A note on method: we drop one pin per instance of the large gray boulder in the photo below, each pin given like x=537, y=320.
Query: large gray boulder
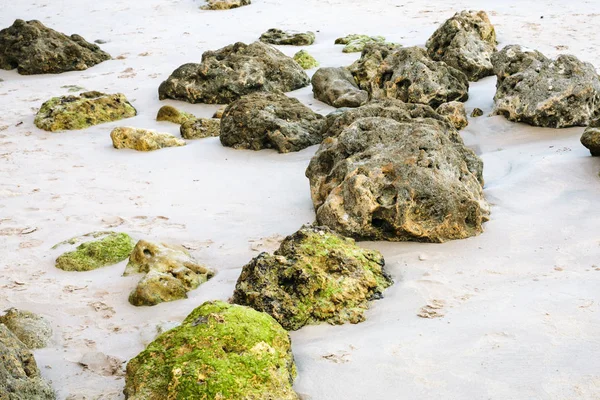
x=336, y=87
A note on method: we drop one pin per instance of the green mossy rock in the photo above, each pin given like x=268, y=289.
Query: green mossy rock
x=201, y=128
x=79, y=112
x=220, y=351
x=109, y=250
x=305, y=60
x=143, y=139
x=356, y=43
x=31, y=329
x=171, y=114
x=315, y=275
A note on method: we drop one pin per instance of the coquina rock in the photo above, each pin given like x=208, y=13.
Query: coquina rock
x=79, y=112
x=19, y=374
x=355, y=43
x=591, y=140
x=220, y=352
x=366, y=68
x=224, y=4
x=171, y=114
x=279, y=37
x=170, y=273
x=270, y=120
x=305, y=60
x=31, y=329
x=227, y=74
x=142, y=139
x=541, y=92
x=400, y=178
x=111, y=249
x=336, y=87
x=316, y=275
x=200, y=128
x=455, y=112
x=33, y=48
x=466, y=42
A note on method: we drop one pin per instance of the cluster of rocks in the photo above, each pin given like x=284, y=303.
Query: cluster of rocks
x=224, y=4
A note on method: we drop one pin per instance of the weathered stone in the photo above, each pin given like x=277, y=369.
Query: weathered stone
x=336, y=87
x=33, y=48
x=79, y=112
x=234, y=71
x=455, y=112
x=113, y=248
x=142, y=139
x=366, y=68
x=171, y=114
x=201, y=128
x=220, y=352
x=316, y=275
x=305, y=60
x=279, y=37
x=550, y=93
x=591, y=140
x=355, y=43
x=477, y=112
x=466, y=42
x=382, y=179
x=270, y=120
x=31, y=329
x=224, y=4
x=219, y=113
x=170, y=273
x=19, y=375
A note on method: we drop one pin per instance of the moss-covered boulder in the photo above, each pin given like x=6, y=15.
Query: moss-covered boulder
x=305, y=60
x=200, y=128
x=279, y=37
x=355, y=43
x=224, y=4
x=31, y=329
x=142, y=139
x=219, y=352
x=316, y=275
x=111, y=249
x=79, y=112
x=171, y=114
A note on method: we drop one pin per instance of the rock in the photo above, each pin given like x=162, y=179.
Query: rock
x=279, y=37
x=19, y=375
x=550, y=93
x=355, y=43
x=224, y=4
x=408, y=177
x=31, y=329
x=591, y=140
x=171, y=114
x=219, y=113
x=270, y=120
x=455, y=112
x=220, y=351
x=477, y=112
x=79, y=112
x=466, y=42
x=33, y=48
x=408, y=74
x=316, y=275
x=336, y=87
x=201, y=128
x=227, y=74
x=142, y=139
x=305, y=60
x=170, y=273
x=113, y=248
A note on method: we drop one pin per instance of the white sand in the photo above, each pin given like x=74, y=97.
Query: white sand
x=520, y=303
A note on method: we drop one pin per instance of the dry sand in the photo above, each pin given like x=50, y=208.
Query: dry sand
x=516, y=309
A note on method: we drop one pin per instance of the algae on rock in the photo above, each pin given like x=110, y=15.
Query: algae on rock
x=201, y=128
x=355, y=43
x=113, y=248
x=143, y=139
x=31, y=329
x=305, y=60
x=279, y=37
x=224, y=4
x=171, y=114
x=220, y=352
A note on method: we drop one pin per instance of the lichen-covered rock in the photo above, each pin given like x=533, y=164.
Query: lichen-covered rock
x=513, y=59
x=550, y=93
x=200, y=128
x=399, y=178
x=305, y=60
x=466, y=42
x=79, y=112
x=33, y=48
x=142, y=139
x=224, y=4
x=316, y=275
x=591, y=140
x=279, y=37
x=19, y=375
x=31, y=329
x=111, y=249
x=455, y=112
x=227, y=74
x=477, y=112
x=355, y=43
x=220, y=352
x=336, y=87
x=270, y=120
x=171, y=114
x=170, y=273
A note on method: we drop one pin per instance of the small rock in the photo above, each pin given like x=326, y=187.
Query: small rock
x=455, y=112
x=591, y=140
x=113, y=248
x=201, y=128
x=171, y=114
x=224, y=4
x=219, y=113
x=31, y=329
x=279, y=37
x=305, y=60
x=477, y=112
x=355, y=43
x=100, y=41
x=142, y=139
x=336, y=87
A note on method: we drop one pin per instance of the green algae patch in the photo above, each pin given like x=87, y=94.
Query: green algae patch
x=356, y=43
x=305, y=60
x=171, y=114
x=85, y=110
x=220, y=351
x=109, y=250
x=316, y=275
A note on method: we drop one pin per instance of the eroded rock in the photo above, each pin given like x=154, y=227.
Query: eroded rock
x=305, y=60
x=455, y=112
x=224, y=4
x=279, y=37
x=31, y=329
x=591, y=140
x=336, y=87
x=477, y=112
x=111, y=249
x=142, y=139
x=171, y=114
x=201, y=128
x=513, y=59
x=355, y=43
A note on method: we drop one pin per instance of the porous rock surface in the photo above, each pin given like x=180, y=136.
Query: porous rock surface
x=142, y=139
x=336, y=87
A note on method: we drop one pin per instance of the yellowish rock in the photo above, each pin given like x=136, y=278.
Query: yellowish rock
x=142, y=139
x=171, y=114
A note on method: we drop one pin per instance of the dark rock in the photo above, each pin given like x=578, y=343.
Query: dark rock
x=279, y=37
x=591, y=140
x=200, y=128
x=455, y=112
x=224, y=4
x=336, y=87
x=477, y=112
x=171, y=114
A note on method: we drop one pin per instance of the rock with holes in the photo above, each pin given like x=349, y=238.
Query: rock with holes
x=31, y=329
x=224, y=4
x=279, y=37
x=455, y=112
x=171, y=114
x=220, y=352
x=227, y=74
x=200, y=128
x=270, y=120
x=591, y=140
x=366, y=68
x=336, y=87
x=142, y=139
x=33, y=48
x=316, y=275
x=513, y=59
x=386, y=175
x=355, y=43
x=114, y=247
x=466, y=42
